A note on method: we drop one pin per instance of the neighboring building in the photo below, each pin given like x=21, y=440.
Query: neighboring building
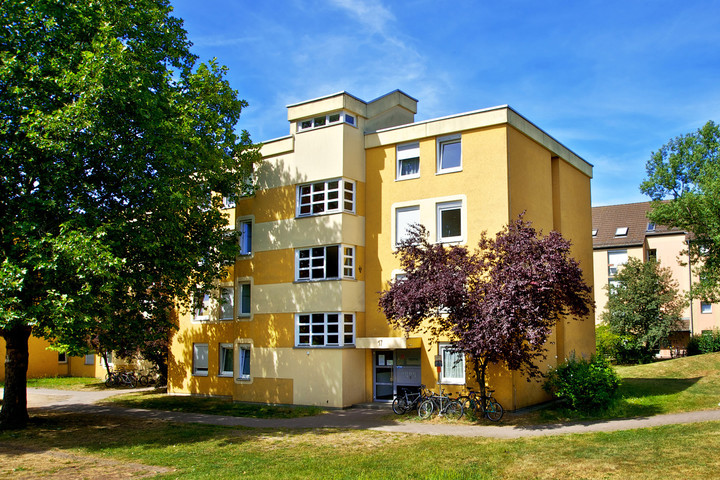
x=43, y=362
x=300, y=324
x=620, y=232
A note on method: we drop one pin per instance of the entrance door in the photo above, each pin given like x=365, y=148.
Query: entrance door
x=383, y=369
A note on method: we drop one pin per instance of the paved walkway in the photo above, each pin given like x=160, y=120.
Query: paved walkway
x=355, y=418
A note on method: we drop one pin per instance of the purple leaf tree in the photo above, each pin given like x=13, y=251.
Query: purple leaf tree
x=497, y=304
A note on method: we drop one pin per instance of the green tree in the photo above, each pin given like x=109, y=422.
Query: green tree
x=116, y=149
x=644, y=306
x=686, y=171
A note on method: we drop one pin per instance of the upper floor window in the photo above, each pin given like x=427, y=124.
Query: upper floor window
x=244, y=304
x=323, y=120
x=449, y=154
x=245, y=237
x=408, y=161
x=404, y=218
x=650, y=227
x=705, y=307
x=621, y=231
x=324, y=329
x=227, y=304
x=449, y=222
x=202, y=312
x=227, y=203
x=325, y=197
x=616, y=259
x=325, y=263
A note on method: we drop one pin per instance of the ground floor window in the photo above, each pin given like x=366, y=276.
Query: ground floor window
x=324, y=329
x=243, y=361
x=200, y=359
x=453, y=365
x=226, y=359
x=90, y=359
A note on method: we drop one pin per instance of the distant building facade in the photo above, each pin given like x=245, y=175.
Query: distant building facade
x=623, y=231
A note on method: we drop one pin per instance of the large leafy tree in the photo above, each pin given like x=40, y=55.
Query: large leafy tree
x=497, y=304
x=686, y=172
x=644, y=306
x=115, y=150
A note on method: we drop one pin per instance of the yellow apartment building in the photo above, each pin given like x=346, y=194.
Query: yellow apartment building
x=300, y=322
x=623, y=231
x=43, y=362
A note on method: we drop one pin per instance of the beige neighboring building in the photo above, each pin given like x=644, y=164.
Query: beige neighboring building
x=623, y=231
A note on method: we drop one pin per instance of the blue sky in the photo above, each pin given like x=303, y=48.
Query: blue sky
x=611, y=80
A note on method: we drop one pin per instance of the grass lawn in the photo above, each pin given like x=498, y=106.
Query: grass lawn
x=212, y=406
x=69, y=445
x=119, y=446
x=66, y=383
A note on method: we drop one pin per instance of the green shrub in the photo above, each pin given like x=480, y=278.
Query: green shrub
x=620, y=349
x=706, y=342
x=584, y=385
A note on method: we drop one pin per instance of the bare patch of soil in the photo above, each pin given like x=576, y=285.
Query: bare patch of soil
x=24, y=463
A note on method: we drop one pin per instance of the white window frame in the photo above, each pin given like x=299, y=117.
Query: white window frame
x=442, y=143
x=223, y=350
x=62, y=357
x=444, y=350
x=319, y=121
x=226, y=310
x=407, y=151
x=200, y=366
x=411, y=215
x=621, y=231
x=244, y=285
x=324, y=198
x=202, y=314
x=245, y=227
x=226, y=203
x=446, y=206
x=705, y=307
x=324, y=329
x=314, y=260
x=243, y=359
x=614, y=266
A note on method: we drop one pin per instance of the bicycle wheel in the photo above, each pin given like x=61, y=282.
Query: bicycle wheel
x=494, y=411
x=425, y=410
x=399, y=406
x=110, y=381
x=143, y=380
x=454, y=410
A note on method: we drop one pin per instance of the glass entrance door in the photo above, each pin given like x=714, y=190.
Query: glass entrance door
x=383, y=365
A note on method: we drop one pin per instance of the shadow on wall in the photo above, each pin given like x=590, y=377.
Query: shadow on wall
x=275, y=328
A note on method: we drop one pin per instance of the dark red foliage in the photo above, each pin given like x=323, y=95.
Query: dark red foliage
x=497, y=304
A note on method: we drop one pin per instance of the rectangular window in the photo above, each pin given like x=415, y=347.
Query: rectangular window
x=408, y=161
x=227, y=203
x=322, y=198
x=449, y=222
x=200, y=359
x=652, y=254
x=324, y=329
x=202, y=312
x=62, y=357
x=244, y=305
x=226, y=360
x=621, y=231
x=705, y=307
x=404, y=218
x=243, y=361
x=453, y=365
x=227, y=297
x=90, y=359
x=322, y=120
x=449, y=154
x=246, y=237
x=616, y=259
x=323, y=263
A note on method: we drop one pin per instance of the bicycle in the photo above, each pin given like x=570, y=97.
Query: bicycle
x=121, y=379
x=483, y=404
x=409, y=400
x=443, y=404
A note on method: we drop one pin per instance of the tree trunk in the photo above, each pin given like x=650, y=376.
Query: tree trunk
x=14, y=412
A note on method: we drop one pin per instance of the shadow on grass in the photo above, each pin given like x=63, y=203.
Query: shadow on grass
x=651, y=387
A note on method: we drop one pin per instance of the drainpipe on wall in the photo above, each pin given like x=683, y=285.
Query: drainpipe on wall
x=692, y=332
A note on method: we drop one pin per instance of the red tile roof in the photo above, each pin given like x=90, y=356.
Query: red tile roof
x=606, y=220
